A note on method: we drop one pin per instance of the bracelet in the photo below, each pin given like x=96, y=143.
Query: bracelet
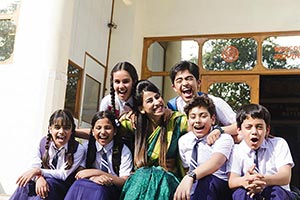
x=219, y=128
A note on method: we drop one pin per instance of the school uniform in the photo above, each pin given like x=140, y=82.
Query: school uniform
x=273, y=154
x=58, y=179
x=225, y=114
x=121, y=106
x=214, y=186
x=89, y=190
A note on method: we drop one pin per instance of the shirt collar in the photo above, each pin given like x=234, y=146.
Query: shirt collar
x=203, y=139
x=106, y=148
x=248, y=150
x=65, y=146
x=130, y=101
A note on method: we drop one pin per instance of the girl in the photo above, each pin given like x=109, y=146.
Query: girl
x=108, y=162
x=57, y=157
x=123, y=79
x=156, y=131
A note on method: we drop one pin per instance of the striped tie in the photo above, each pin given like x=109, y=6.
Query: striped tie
x=194, y=158
x=55, y=158
x=104, y=163
x=256, y=161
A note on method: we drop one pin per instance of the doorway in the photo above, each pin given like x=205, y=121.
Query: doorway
x=281, y=95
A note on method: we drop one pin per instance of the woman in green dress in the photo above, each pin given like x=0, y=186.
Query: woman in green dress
x=156, y=131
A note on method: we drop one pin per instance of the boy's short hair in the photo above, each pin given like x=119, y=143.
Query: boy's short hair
x=184, y=65
x=201, y=101
x=255, y=111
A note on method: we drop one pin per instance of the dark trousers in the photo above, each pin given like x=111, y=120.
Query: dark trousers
x=211, y=188
x=270, y=192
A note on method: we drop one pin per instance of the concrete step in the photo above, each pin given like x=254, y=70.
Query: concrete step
x=4, y=197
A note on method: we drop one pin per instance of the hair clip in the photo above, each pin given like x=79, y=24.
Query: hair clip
x=117, y=122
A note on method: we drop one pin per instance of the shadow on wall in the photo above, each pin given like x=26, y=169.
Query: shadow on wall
x=2, y=190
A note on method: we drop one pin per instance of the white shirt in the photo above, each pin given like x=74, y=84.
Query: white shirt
x=273, y=154
x=224, y=112
x=223, y=145
x=126, y=158
x=120, y=105
x=59, y=172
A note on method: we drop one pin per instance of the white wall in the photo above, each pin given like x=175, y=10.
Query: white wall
x=144, y=18
x=33, y=86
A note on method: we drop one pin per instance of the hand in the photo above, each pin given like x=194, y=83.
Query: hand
x=255, y=187
x=102, y=180
x=183, y=191
x=213, y=136
x=130, y=116
x=27, y=176
x=253, y=182
x=86, y=173
x=42, y=187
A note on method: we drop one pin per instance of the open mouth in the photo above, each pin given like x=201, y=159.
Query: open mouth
x=187, y=93
x=254, y=140
x=103, y=137
x=60, y=137
x=122, y=91
x=158, y=108
x=198, y=127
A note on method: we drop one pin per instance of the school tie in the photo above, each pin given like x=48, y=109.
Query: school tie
x=194, y=158
x=256, y=161
x=104, y=163
x=55, y=158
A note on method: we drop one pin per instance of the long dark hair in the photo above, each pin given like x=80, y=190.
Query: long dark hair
x=91, y=152
x=64, y=118
x=131, y=71
x=143, y=130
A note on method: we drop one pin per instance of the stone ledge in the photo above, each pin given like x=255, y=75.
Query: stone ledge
x=4, y=197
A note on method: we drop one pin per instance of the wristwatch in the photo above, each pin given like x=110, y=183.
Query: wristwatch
x=192, y=174
x=219, y=128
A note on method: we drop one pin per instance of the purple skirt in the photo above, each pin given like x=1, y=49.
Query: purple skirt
x=58, y=190
x=89, y=190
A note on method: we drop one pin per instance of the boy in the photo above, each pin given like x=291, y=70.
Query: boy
x=186, y=83
x=260, y=166
x=208, y=168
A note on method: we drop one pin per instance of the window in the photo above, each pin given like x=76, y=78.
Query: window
x=91, y=99
x=8, y=24
x=229, y=57
x=73, y=91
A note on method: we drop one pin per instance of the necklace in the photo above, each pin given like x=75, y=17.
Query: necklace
x=154, y=123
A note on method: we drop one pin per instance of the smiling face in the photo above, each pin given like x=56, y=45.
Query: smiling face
x=103, y=131
x=122, y=83
x=186, y=85
x=153, y=105
x=200, y=121
x=254, y=131
x=60, y=132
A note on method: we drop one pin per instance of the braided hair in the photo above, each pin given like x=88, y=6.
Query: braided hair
x=63, y=117
x=134, y=76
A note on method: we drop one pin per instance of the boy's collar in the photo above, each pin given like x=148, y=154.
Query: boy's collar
x=248, y=150
x=204, y=138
